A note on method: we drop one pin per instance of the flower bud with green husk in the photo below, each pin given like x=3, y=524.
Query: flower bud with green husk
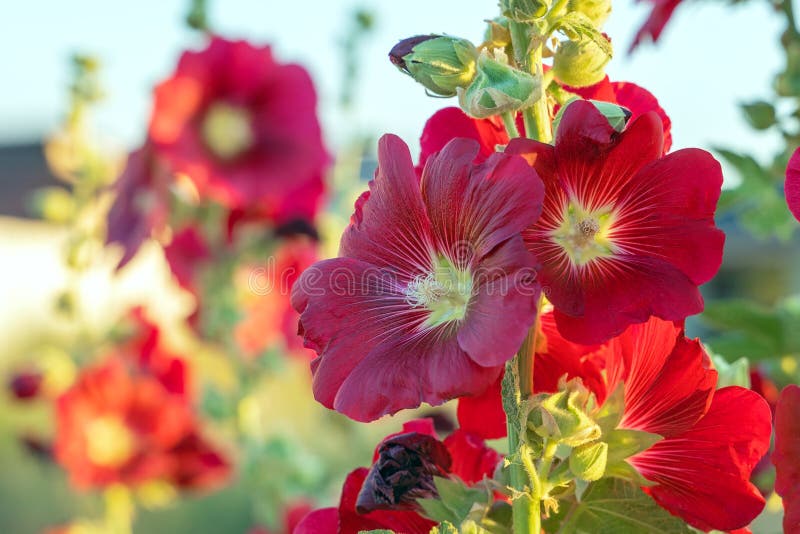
x=441, y=63
x=588, y=462
x=524, y=10
x=596, y=10
x=498, y=88
x=580, y=63
x=562, y=417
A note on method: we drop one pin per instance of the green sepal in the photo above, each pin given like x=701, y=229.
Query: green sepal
x=562, y=417
x=624, y=443
x=588, y=462
x=498, y=88
x=735, y=373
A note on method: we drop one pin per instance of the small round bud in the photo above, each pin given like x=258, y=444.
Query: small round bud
x=498, y=88
x=588, y=462
x=596, y=10
x=440, y=63
x=580, y=63
x=524, y=10
x=25, y=386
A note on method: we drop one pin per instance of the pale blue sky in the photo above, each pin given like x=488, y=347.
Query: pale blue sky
x=711, y=56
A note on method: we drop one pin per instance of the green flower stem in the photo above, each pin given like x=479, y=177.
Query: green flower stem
x=510, y=124
x=547, y=461
x=541, y=129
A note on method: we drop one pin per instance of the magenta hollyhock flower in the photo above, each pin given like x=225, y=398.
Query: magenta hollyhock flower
x=433, y=290
x=625, y=233
x=243, y=128
x=792, y=186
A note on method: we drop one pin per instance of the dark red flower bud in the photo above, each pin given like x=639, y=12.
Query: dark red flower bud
x=403, y=473
x=405, y=47
x=25, y=386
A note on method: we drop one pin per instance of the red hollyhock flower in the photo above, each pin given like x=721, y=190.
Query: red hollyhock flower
x=792, y=186
x=787, y=456
x=449, y=123
x=243, y=128
x=434, y=289
x=408, y=459
x=656, y=21
x=712, y=439
x=140, y=206
x=625, y=234
x=117, y=426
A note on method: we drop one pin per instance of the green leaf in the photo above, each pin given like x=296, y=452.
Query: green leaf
x=761, y=327
x=445, y=527
x=614, y=506
x=760, y=114
x=455, y=501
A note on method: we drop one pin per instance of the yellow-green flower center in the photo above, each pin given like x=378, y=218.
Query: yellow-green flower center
x=109, y=441
x=585, y=234
x=445, y=292
x=227, y=130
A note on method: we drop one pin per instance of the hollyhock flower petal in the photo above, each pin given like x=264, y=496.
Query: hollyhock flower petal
x=792, y=186
x=198, y=465
x=243, y=128
x=322, y=521
x=483, y=414
x=140, y=206
x=787, y=455
x=422, y=263
x=668, y=379
x=450, y=123
x=702, y=475
x=185, y=254
x=655, y=23
x=616, y=243
x=472, y=459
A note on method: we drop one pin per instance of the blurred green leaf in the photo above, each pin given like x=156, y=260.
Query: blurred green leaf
x=760, y=114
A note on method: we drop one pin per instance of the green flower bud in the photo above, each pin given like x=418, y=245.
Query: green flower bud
x=562, y=417
x=498, y=88
x=580, y=63
x=440, y=63
x=524, y=10
x=588, y=462
x=617, y=116
x=596, y=10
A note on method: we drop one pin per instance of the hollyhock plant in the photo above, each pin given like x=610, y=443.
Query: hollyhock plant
x=792, y=186
x=433, y=290
x=787, y=455
x=117, y=426
x=712, y=440
x=384, y=496
x=625, y=234
x=243, y=128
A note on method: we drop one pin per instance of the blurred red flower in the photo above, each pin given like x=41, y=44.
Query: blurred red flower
x=712, y=439
x=267, y=314
x=434, y=289
x=117, y=425
x=787, y=455
x=243, y=128
x=792, y=186
x=409, y=459
x=625, y=234
x=656, y=21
